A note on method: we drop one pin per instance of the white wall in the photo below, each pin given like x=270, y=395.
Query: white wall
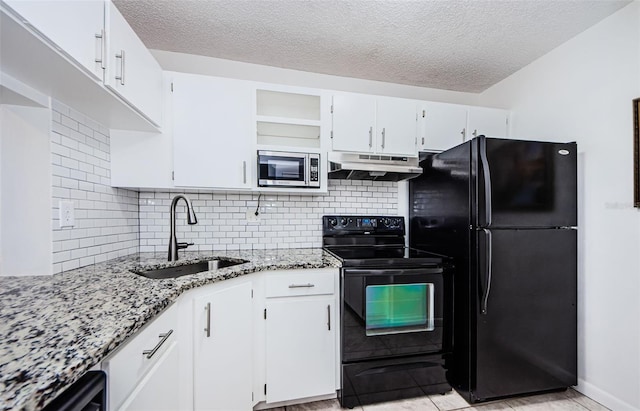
x=189, y=63
x=582, y=91
x=25, y=190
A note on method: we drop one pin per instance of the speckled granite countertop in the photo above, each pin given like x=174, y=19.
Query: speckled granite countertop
x=54, y=328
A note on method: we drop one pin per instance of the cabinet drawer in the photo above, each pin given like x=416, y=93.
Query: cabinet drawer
x=127, y=366
x=300, y=282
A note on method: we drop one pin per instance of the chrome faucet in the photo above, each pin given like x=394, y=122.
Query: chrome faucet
x=174, y=245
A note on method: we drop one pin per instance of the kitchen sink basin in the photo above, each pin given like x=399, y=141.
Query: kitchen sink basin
x=179, y=271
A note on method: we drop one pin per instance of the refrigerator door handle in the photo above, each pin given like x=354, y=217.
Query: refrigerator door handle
x=486, y=174
x=487, y=287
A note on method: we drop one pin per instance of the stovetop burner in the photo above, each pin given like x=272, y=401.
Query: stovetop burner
x=372, y=242
x=381, y=256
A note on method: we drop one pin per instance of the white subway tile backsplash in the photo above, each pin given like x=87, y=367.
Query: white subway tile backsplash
x=286, y=221
x=106, y=218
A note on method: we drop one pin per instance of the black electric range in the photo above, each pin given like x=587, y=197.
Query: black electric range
x=395, y=311
x=372, y=242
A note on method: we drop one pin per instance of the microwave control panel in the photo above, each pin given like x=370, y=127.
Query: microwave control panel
x=314, y=170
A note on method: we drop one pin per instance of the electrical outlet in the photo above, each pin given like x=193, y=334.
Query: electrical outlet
x=67, y=215
x=252, y=217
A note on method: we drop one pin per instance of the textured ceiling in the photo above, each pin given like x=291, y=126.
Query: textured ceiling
x=452, y=45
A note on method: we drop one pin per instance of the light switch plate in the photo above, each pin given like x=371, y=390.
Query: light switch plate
x=67, y=215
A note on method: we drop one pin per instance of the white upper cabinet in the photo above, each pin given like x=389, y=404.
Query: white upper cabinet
x=396, y=126
x=354, y=117
x=212, y=129
x=141, y=159
x=131, y=71
x=491, y=122
x=441, y=126
x=382, y=125
x=75, y=27
x=83, y=54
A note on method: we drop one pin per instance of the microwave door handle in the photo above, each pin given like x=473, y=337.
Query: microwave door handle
x=307, y=171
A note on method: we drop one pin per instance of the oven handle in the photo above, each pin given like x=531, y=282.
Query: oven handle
x=394, y=271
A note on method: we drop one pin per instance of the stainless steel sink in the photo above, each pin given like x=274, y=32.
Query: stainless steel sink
x=179, y=271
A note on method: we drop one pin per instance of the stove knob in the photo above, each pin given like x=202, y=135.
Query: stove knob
x=343, y=221
x=386, y=222
x=333, y=222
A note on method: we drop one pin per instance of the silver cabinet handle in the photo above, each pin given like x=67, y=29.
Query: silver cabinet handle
x=464, y=134
x=102, y=49
x=329, y=317
x=208, y=327
x=308, y=285
x=151, y=352
x=371, y=136
x=122, y=67
x=475, y=133
x=244, y=172
x=423, y=141
x=383, y=135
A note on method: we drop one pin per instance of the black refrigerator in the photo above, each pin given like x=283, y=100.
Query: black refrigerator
x=506, y=211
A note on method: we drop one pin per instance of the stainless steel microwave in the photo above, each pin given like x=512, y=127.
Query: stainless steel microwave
x=285, y=169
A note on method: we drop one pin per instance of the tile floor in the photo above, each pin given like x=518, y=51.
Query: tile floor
x=567, y=400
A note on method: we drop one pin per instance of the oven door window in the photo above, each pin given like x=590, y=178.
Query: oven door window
x=282, y=168
x=399, y=308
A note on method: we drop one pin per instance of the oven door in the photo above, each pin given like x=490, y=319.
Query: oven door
x=392, y=312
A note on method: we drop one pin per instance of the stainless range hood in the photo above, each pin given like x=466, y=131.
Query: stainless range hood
x=351, y=166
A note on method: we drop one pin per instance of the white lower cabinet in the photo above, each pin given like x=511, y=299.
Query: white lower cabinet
x=223, y=348
x=300, y=334
x=220, y=346
x=300, y=348
x=157, y=390
x=143, y=373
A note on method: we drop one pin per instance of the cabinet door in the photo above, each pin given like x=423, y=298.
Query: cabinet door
x=491, y=122
x=141, y=159
x=442, y=126
x=73, y=26
x=223, y=351
x=300, y=338
x=132, y=72
x=157, y=390
x=211, y=131
x=396, y=126
x=354, y=117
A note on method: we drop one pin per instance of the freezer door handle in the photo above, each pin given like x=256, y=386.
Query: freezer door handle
x=487, y=272
x=486, y=174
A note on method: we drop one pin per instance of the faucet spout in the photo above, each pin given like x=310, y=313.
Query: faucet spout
x=191, y=219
